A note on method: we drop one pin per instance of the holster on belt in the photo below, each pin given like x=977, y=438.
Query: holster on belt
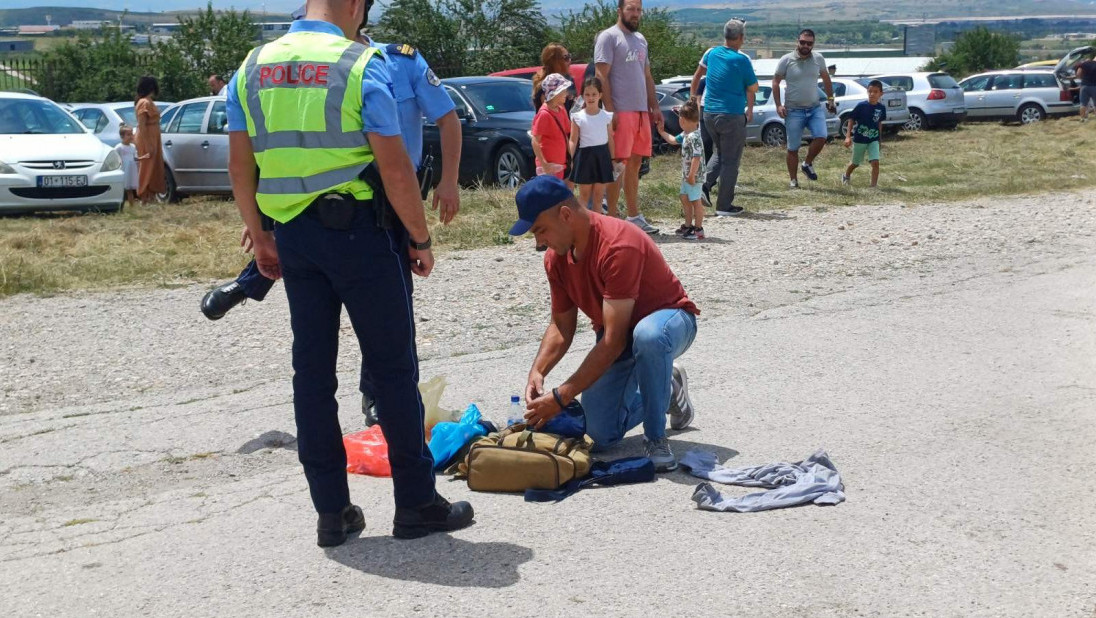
x=335, y=211
x=382, y=208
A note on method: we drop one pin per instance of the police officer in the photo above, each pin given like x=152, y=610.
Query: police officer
x=418, y=94
x=300, y=111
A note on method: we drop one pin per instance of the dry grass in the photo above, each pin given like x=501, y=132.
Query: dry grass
x=198, y=240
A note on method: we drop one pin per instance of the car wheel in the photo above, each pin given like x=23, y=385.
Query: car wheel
x=917, y=121
x=1030, y=113
x=171, y=195
x=508, y=169
x=774, y=135
x=843, y=127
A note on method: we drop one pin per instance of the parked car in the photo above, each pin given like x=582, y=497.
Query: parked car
x=1028, y=96
x=49, y=161
x=848, y=93
x=104, y=119
x=195, y=146
x=669, y=100
x=935, y=100
x=496, y=114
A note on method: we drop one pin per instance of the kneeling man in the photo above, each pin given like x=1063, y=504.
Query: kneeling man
x=614, y=273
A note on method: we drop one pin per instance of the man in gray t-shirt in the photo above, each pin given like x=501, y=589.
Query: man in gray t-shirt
x=801, y=108
x=628, y=92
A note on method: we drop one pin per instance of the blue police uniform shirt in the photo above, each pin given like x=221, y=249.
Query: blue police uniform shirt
x=418, y=93
x=379, y=111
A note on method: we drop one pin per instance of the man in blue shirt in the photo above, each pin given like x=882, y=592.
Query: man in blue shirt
x=335, y=254
x=728, y=106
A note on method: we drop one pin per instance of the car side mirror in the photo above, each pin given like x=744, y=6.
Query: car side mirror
x=465, y=114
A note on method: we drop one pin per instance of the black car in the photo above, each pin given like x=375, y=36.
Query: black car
x=496, y=114
x=669, y=98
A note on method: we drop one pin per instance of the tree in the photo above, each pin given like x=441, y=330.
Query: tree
x=467, y=37
x=88, y=69
x=671, y=51
x=978, y=50
x=206, y=44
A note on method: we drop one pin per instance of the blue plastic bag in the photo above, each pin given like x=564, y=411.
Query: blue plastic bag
x=448, y=438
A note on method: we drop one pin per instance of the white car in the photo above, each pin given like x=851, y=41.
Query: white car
x=49, y=161
x=934, y=99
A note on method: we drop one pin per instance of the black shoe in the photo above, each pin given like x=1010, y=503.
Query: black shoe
x=333, y=528
x=438, y=516
x=369, y=409
x=730, y=212
x=808, y=169
x=219, y=300
x=706, y=195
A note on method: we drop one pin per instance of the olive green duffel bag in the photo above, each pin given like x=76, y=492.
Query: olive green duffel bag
x=517, y=458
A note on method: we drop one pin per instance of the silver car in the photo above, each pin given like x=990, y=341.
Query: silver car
x=104, y=119
x=848, y=93
x=767, y=126
x=1024, y=95
x=195, y=145
x=934, y=99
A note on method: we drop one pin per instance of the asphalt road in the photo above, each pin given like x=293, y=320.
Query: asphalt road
x=959, y=406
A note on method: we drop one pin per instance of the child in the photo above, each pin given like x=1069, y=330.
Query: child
x=128, y=151
x=592, y=145
x=867, y=117
x=552, y=129
x=692, y=154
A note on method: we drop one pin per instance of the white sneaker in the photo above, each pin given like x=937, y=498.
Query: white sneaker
x=845, y=180
x=793, y=184
x=681, y=406
x=659, y=452
x=641, y=222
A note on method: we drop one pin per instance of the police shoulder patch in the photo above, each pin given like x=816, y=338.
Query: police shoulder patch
x=401, y=49
x=431, y=78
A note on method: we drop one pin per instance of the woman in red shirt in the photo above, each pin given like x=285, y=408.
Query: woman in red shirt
x=552, y=129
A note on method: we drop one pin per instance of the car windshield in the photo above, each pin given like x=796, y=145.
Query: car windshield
x=940, y=80
x=19, y=116
x=499, y=97
x=127, y=114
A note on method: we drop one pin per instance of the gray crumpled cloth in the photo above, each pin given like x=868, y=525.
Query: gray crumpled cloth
x=813, y=480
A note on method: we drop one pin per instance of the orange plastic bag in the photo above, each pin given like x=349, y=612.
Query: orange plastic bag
x=367, y=452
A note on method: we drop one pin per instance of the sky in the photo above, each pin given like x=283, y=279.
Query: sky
x=255, y=6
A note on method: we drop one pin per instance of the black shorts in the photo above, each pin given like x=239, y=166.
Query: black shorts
x=592, y=165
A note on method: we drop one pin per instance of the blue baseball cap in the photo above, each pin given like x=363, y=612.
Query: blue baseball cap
x=536, y=196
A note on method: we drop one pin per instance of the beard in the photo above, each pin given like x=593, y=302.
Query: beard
x=631, y=26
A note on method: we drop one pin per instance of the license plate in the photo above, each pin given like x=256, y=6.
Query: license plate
x=53, y=182
x=894, y=103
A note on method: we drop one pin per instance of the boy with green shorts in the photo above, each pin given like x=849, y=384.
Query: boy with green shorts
x=865, y=124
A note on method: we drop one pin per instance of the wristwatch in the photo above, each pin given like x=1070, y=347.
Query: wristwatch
x=419, y=246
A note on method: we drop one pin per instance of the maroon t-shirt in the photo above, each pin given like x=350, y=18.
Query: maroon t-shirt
x=620, y=262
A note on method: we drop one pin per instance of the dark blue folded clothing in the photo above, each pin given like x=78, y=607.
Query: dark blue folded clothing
x=616, y=472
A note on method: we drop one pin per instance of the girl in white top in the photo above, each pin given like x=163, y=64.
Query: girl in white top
x=128, y=151
x=591, y=145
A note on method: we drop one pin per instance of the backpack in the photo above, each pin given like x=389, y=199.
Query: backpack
x=518, y=458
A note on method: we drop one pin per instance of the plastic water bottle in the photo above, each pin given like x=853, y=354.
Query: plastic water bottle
x=516, y=413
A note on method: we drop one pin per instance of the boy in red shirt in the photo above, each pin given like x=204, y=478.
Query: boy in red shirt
x=615, y=274
x=552, y=128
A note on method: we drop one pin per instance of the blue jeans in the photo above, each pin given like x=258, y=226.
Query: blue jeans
x=366, y=270
x=813, y=118
x=637, y=390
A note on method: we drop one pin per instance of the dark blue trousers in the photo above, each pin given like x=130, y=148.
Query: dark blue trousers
x=255, y=286
x=366, y=270
x=253, y=283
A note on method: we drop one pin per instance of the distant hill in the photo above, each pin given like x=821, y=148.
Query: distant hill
x=63, y=16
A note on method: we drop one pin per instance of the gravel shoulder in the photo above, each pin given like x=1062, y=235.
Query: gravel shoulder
x=88, y=348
